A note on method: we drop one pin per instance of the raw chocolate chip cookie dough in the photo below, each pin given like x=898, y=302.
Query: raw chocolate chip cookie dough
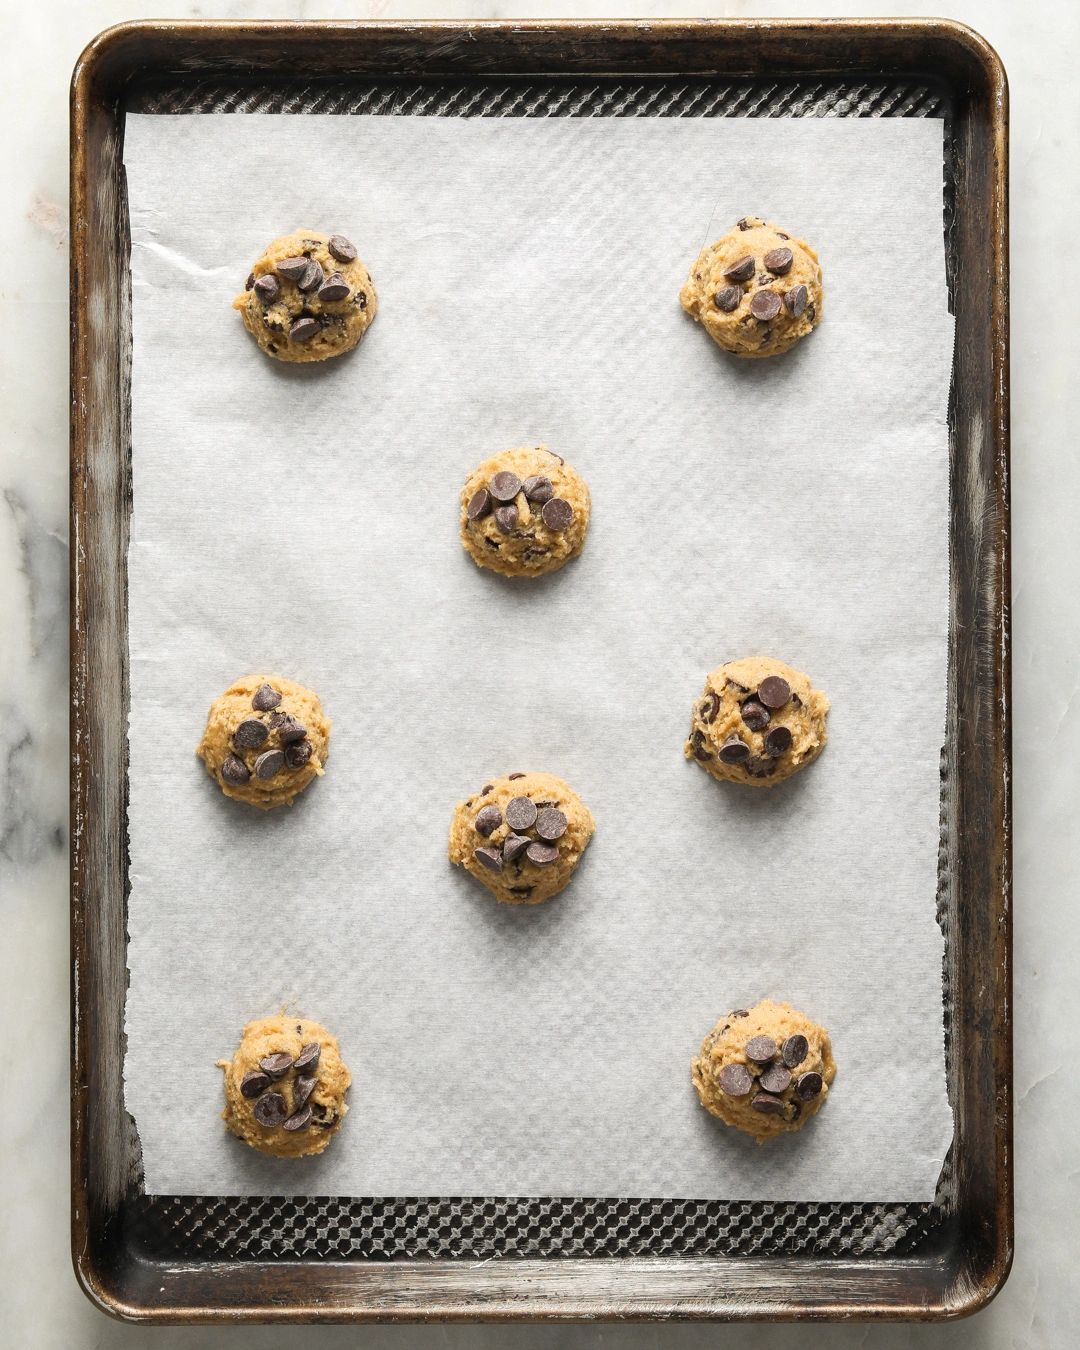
x=266, y=739
x=524, y=512
x=285, y=1087
x=757, y=290
x=766, y=1070
x=522, y=836
x=757, y=722
x=308, y=297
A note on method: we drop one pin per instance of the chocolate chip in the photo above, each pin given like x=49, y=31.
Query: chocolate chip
x=742, y=270
x=488, y=787
x=276, y=1064
x=490, y=858
x=267, y=288
x=299, y=1120
x=765, y=305
x=304, y=329
x=734, y=751
x=479, y=505
x=250, y=281
x=334, y=288
x=277, y=719
x=760, y=1049
x=520, y=813
x=771, y=1106
x=251, y=733
x=774, y=691
x=254, y=1082
x=808, y=1086
x=757, y=767
x=811, y=312
x=344, y=250
x=308, y=1058
x=270, y=1110
x=505, y=486
x=747, y=222
x=506, y=517
x=269, y=763
x=538, y=489
x=514, y=845
x=291, y=730
x=542, y=854
x=795, y=1050
x=312, y=278
x=738, y=1012
x=697, y=744
x=324, y=1117
x=488, y=819
x=727, y=299
x=777, y=741
x=296, y=756
x=779, y=260
x=755, y=715
x=551, y=824
x=302, y=1088
x=265, y=698
x=234, y=771
x=513, y=776
x=776, y=1079
x=557, y=514
x=735, y=1080
x=292, y=269
x=781, y=235
x=710, y=706
x=796, y=300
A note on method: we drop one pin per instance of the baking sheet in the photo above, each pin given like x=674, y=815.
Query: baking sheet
x=304, y=521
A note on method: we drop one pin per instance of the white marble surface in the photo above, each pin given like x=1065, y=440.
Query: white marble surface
x=42, y=1304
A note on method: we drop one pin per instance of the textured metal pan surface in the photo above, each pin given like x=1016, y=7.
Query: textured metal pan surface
x=205, y=1258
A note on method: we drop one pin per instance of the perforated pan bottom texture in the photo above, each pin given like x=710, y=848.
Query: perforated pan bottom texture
x=230, y=1228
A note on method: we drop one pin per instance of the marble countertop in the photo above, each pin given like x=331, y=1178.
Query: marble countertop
x=43, y=1305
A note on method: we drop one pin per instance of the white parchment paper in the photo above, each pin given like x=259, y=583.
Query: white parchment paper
x=304, y=521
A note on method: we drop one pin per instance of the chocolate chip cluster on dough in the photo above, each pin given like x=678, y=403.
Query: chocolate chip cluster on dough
x=757, y=722
x=522, y=836
x=524, y=512
x=285, y=1087
x=756, y=291
x=765, y=1070
x=266, y=739
x=309, y=297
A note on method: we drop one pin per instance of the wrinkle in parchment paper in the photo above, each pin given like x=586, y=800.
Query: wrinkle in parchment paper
x=304, y=521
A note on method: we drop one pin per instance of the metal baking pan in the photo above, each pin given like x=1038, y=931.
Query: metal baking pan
x=162, y=1259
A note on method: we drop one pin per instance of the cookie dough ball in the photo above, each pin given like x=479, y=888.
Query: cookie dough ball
x=522, y=836
x=266, y=739
x=524, y=512
x=757, y=722
x=766, y=1070
x=308, y=297
x=285, y=1087
x=757, y=290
